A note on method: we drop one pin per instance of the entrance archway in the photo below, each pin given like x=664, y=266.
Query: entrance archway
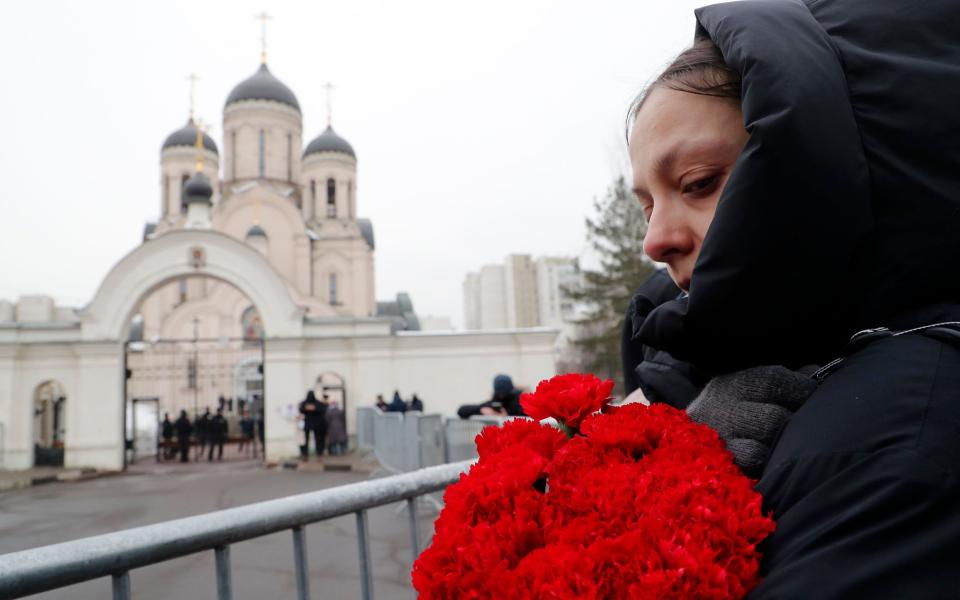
x=49, y=424
x=171, y=257
x=187, y=253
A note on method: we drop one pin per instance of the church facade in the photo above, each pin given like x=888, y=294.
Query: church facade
x=258, y=245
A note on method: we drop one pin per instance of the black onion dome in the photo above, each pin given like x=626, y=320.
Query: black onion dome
x=262, y=85
x=187, y=136
x=256, y=231
x=329, y=141
x=197, y=188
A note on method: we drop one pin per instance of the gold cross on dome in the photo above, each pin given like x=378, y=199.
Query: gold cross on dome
x=193, y=92
x=263, y=17
x=329, y=88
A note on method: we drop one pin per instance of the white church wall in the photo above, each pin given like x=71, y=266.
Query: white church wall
x=280, y=219
x=95, y=427
x=444, y=369
x=23, y=369
x=9, y=425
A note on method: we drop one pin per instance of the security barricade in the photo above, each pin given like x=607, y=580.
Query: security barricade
x=389, y=442
x=365, y=416
x=427, y=431
x=404, y=442
x=459, y=435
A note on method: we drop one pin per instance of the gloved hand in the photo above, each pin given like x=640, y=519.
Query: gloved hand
x=749, y=408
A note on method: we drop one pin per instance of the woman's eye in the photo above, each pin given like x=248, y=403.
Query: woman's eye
x=647, y=211
x=700, y=185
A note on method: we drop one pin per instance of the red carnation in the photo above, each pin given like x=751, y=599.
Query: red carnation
x=644, y=503
x=568, y=398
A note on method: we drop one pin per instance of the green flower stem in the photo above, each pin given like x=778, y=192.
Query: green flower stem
x=568, y=431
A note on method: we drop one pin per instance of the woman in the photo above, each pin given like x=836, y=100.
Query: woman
x=801, y=183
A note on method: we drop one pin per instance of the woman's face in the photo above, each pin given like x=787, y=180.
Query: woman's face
x=682, y=149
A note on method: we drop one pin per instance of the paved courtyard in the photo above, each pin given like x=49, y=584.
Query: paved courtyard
x=262, y=568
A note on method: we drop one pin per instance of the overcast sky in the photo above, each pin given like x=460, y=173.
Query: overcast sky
x=481, y=128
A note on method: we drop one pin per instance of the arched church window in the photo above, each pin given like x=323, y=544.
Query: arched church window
x=233, y=154
x=166, y=194
x=182, y=290
x=183, y=197
x=331, y=198
x=289, y=157
x=333, y=289
x=350, y=199
x=251, y=325
x=262, y=159
x=313, y=191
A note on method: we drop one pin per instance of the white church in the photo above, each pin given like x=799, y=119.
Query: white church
x=254, y=285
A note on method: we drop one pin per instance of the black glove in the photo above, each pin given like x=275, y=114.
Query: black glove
x=749, y=408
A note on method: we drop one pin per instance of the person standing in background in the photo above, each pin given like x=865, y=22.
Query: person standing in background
x=166, y=432
x=248, y=438
x=314, y=420
x=200, y=426
x=416, y=404
x=336, y=429
x=216, y=434
x=183, y=429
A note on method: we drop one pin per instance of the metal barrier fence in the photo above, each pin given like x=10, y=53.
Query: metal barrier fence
x=404, y=442
x=116, y=554
x=365, y=416
x=459, y=435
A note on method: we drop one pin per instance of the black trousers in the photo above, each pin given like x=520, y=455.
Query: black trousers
x=218, y=444
x=319, y=439
x=184, y=449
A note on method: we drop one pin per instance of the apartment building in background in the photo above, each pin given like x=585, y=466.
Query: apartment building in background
x=521, y=292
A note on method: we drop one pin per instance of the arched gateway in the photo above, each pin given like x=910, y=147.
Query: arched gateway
x=106, y=320
x=183, y=253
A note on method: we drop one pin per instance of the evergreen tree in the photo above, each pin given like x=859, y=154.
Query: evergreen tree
x=616, y=234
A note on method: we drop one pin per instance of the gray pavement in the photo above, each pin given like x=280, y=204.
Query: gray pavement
x=262, y=568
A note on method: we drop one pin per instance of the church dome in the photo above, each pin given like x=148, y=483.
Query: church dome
x=187, y=136
x=329, y=141
x=197, y=188
x=262, y=85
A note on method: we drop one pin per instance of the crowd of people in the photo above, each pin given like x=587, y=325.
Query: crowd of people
x=320, y=418
x=398, y=404
x=207, y=434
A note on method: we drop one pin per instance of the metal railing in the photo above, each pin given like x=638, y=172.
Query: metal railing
x=116, y=554
x=404, y=442
x=459, y=435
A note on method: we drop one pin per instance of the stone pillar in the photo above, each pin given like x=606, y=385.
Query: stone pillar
x=95, y=424
x=283, y=374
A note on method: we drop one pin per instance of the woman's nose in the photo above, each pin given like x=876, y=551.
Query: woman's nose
x=668, y=236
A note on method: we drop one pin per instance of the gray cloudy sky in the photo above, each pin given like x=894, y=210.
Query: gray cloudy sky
x=481, y=128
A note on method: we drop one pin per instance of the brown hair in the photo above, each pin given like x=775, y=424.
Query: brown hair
x=700, y=69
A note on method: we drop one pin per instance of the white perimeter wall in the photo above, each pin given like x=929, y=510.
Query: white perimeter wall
x=444, y=369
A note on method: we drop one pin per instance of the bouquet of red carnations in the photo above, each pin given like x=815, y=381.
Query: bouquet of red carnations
x=631, y=502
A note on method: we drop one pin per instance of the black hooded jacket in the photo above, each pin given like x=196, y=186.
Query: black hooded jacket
x=842, y=213
x=661, y=377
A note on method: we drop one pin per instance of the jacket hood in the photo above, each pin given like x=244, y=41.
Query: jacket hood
x=843, y=211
